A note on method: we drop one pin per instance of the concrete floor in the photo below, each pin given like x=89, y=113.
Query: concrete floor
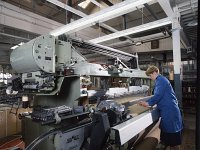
x=188, y=142
x=189, y=132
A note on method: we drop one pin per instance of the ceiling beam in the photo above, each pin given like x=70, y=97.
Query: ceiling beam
x=107, y=2
x=66, y=7
x=166, y=7
x=81, y=14
x=19, y=18
x=101, y=16
x=188, y=8
x=192, y=3
x=97, y=4
x=170, y=13
x=137, y=29
x=14, y=36
x=188, y=11
x=144, y=38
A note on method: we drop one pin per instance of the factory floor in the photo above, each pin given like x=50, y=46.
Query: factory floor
x=189, y=131
x=188, y=142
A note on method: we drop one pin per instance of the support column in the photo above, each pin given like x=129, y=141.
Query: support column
x=177, y=60
x=198, y=90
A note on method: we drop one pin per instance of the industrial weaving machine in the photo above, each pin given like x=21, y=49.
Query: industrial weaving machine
x=77, y=104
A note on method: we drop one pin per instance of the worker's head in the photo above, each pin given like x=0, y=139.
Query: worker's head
x=152, y=72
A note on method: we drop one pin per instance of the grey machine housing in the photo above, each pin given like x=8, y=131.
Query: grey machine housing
x=53, y=70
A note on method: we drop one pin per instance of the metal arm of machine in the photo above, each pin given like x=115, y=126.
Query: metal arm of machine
x=45, y=59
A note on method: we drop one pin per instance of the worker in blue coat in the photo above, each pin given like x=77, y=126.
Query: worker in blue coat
x=164, y=97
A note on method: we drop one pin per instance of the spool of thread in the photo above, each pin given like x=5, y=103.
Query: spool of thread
x=25, y=102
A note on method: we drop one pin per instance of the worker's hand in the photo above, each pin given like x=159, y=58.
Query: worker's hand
x=144, y=104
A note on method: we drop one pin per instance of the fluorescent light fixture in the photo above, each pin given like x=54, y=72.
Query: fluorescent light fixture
x=138, y=43
x=133, y=30
x=84, y=4
x=101, y=16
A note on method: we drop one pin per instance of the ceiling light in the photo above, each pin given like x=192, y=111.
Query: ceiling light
x=84, y=4
x=138, y=43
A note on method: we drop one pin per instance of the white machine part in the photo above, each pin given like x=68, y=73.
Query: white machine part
x=130, y=128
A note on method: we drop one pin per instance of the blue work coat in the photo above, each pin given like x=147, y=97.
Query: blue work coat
x=167, y=104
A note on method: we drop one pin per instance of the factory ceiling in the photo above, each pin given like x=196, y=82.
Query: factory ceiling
x=23, y=20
